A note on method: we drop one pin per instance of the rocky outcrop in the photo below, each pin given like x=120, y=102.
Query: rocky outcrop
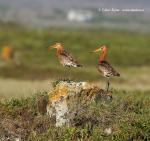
x=66, y=98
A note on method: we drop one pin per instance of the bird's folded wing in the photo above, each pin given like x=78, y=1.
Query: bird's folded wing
x=109, y=69
x=68, y=57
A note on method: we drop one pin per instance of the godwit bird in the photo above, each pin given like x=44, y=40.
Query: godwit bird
x=7, y=54
x=64, y=57
x=104, y=67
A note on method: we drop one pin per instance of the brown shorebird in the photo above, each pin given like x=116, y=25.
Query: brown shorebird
x=7, y=54
x=64, y=57
x=104, y=67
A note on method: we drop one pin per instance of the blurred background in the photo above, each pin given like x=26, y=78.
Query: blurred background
x=29, y=27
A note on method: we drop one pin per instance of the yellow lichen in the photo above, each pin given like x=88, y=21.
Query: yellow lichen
x=57, y=93
x=64, y=90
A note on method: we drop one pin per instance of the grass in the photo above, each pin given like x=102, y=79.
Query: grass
x=127, y=116
x=14, y=88
x=126, y=50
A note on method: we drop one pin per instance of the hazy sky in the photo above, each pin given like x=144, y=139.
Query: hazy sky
x=79, y=3
x=35, y=11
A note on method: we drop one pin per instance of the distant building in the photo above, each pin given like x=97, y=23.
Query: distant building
x=80, y=15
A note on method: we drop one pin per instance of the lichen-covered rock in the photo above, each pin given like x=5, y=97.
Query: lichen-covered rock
x=65, y=98
x=58, y=100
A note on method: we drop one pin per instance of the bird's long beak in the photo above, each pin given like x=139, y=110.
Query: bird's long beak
x=51, y=47
x=97, y=50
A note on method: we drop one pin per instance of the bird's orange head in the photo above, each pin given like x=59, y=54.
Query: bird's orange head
x=57, y=46
x=102, y=48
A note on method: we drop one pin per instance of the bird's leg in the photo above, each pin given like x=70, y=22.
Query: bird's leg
x=108, y=84
x=65, y=74
x=64, y=77
x=69, y=73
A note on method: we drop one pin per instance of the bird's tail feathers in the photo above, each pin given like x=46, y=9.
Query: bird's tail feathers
x=117, y=74
x=79, y=65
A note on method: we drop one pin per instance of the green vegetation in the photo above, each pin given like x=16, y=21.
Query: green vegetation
x=127, y=117
x=126, y=50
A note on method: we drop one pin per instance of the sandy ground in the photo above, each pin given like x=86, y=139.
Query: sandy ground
x=23, y=88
